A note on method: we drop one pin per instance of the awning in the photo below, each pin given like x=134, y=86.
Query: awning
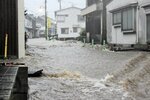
x=146, y=5
x=92, y=8
x=134, y=4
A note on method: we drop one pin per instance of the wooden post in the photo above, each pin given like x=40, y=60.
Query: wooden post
x=84, y=41
x=92, y=43
x=88, y=37
x=6, y=46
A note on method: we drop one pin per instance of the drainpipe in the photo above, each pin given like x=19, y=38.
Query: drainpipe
x=137, y=18
x=101, y=36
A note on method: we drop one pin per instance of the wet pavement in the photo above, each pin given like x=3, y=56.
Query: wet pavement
x=73, y=71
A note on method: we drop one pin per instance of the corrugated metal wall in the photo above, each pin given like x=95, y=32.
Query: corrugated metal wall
x=93, y=25
x=8, y=24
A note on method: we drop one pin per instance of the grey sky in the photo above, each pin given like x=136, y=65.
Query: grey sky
x=37, y=6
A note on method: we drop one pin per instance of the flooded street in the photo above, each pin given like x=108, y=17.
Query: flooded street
x=75, y=50
x=73, y=71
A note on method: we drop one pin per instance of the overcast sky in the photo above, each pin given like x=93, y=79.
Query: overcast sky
x=37, y=6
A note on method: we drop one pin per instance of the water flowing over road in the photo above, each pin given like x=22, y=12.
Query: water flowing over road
x=73, y=71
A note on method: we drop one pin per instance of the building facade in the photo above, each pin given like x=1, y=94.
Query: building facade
x=51, y=26
x=40, y=23
x=129, y=23
x=95, y=13
x=69, y=22
x=30, y=26
x=93, y=20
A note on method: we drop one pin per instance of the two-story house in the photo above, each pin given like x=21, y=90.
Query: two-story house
x=69, y=22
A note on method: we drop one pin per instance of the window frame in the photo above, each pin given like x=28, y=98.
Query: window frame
x=133, y=29
x=116, y=25
x=63, y=16
x=113, y=21
x=76, y=29
x=65, y=32
x=80, y=17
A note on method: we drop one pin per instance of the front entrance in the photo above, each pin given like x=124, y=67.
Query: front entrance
x=148, y=28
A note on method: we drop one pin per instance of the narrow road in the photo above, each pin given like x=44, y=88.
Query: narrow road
x=73, y=72
x=73, y=56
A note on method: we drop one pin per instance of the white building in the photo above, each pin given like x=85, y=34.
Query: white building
x=40, y=24
x=30, y=26
x=69, y=22
x=128, y=23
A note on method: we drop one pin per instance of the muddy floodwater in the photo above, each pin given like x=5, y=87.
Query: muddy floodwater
x=73, y=71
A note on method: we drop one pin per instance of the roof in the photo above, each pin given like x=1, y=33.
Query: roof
x=67, y=9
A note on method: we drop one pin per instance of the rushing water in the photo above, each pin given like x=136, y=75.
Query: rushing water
x=73, y=72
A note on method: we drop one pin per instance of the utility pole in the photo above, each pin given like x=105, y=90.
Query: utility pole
x=46, y=33
x=59, y=4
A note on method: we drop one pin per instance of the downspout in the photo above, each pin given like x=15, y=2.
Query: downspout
x=137, y=18
x=101, y=36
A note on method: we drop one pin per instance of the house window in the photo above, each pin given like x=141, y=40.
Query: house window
x=80, y=18
x=61, y=18
x=64, y=30
x=75, y=29
x=117, y=18
x=128, y=19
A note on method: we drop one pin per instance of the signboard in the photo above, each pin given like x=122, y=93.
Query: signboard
x=48, y=22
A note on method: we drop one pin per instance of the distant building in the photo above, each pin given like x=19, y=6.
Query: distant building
x=69, y=22
x=95, y=13
x=51, y=26
x=40, y=23
x=129, y=23
x=30, y=26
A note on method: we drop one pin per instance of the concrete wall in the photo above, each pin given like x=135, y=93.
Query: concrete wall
x=21, y=39
x=115, y=35
x=70, y=21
